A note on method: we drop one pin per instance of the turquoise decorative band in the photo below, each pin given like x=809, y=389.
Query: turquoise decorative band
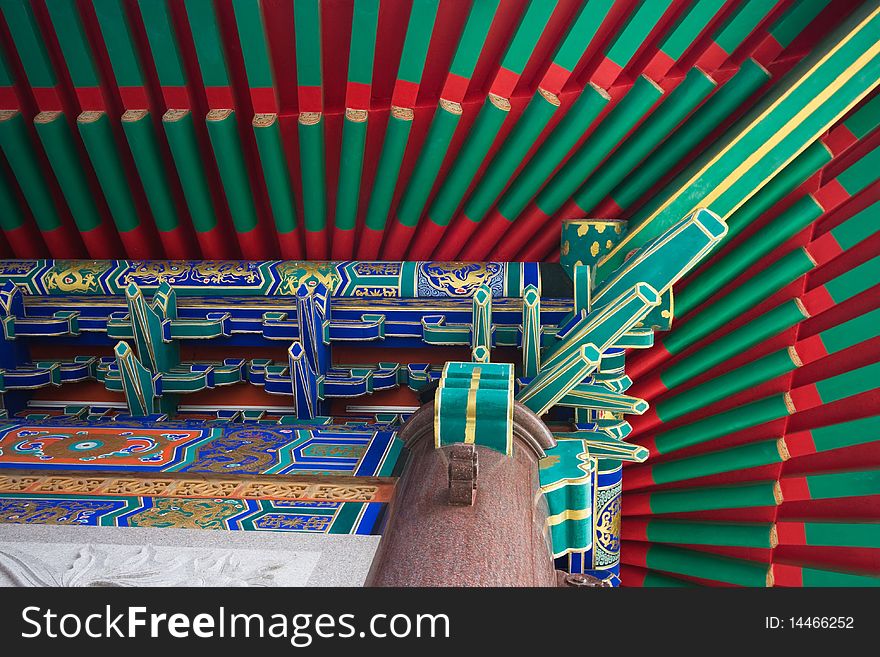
x=565, y=478
x=484, y=391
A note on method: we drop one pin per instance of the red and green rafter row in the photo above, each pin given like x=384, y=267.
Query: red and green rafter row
x=400, y=119
x=354, y=128
x=443, y=127
x=307, y=28
x=484, y=129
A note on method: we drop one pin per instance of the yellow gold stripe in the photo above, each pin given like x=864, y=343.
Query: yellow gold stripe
x=569, y=514
x=470, y=423
x=793, y=123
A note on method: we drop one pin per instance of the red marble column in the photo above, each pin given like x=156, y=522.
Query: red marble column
x=500, y=540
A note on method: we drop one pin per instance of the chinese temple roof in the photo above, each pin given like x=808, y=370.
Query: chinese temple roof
x=257, y=235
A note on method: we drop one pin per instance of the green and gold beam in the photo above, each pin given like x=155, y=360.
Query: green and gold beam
x=821, y=89
x=597, y=397
x=553, y=383
x=793, y=219
x=142, y=388
x=604, y=326
x=839, y=139
x=603, y=446
x=663, y=262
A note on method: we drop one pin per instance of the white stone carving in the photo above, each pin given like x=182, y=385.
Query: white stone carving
x=105, y=564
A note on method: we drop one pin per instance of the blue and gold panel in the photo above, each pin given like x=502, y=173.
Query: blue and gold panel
x=82, y=510
x=199, y=277
x=23, y=273
x=369, y=280
x=606, y=510
x=211, y=278
x=283, y=450
x=195, y=447
x=602, y=560
x=313, y=517
x=78, y=276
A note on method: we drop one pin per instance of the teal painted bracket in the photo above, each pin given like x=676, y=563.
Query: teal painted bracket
x=474, y=405
x=565, y=478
